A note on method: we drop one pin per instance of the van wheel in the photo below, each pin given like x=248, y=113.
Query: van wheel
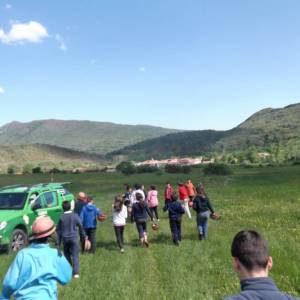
x=18, y=241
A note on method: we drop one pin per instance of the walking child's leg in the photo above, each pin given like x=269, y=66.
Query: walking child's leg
x=122, y=235
x=173, y=230
x=75, y=255
x=92, y=238
x=178, y=223
x=145, y=234
x=187, y=209
x=118, y=236
x=140, y=232
x=176, y=233
x=156, y=212
x=67, y=252
x=205, y=225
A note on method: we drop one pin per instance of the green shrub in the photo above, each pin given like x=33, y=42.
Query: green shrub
x=57, y=171
x=36, y=170
x=217, y=169
x=12, y=169
x=126, y=167
x=146, y=169
x=177, y=169
x=27, y=169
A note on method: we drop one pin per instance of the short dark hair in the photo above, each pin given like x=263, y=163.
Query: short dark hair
x=137, y=186
x=174, y=196
x=251, y=249
x=152, y=187
x=66, y=205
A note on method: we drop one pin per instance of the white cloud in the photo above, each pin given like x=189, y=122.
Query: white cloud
x=142, y=69
x=1, y=90
x=61, y=42
x=8, y=6
x=20, y=33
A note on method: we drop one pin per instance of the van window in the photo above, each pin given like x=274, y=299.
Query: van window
x=51, y=199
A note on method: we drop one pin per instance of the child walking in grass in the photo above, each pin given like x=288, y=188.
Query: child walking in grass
x=88, y=216
x=203, y=208
x=152, y=199
x=168, y=192
x=68, y=227
x=119, y=220
x=139, y=213
x=176, y=210
x=184, y=198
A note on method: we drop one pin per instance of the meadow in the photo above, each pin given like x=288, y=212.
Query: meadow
x=266, y=199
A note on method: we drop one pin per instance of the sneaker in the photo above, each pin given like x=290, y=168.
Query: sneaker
x=146, y=243
x=76, y=276
x=176, y=243
x=122, y=250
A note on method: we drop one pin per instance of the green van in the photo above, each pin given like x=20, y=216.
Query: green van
x=20, y=205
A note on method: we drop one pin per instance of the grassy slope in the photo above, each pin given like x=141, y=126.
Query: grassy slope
x=265, y=199
x=45, y=155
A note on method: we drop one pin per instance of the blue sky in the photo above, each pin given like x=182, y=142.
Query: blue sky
x=178, y=64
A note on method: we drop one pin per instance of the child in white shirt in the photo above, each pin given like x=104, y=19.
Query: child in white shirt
x=119, y=221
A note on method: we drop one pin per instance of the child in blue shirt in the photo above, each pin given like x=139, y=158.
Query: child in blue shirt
x=88, y=216
x=36, y=269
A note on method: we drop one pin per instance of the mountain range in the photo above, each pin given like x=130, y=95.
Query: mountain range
x=260, y=130
x=86, y=136
x=96, y=142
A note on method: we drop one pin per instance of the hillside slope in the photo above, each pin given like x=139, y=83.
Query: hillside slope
x=45, y=156
x=259, y=130
x=87, y=136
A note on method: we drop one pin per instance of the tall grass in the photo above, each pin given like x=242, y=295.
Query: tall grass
x=266, y=199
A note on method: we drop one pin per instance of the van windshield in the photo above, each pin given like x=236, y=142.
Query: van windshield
x=12, y=200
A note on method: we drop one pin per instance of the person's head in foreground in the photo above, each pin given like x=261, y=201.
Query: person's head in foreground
x=42, y=229
x=252, y=263
x=35, y=270
x=249, y=251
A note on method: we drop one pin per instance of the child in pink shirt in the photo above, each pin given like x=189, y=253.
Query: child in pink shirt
x=152, y=200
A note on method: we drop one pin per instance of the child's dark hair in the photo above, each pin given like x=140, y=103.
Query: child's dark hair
x=89, y=199
x=43, y=240
x=153, y=187
x=251, y=249
x=66, y=205
x=118, y=204
x=127, y=186
x=200, y=190
x=137, y=186
x=174, y=196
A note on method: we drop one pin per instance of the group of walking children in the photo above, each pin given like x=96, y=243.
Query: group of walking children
x=139, y=205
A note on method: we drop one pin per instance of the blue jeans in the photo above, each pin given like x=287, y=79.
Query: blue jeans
x=142, y=228
x=71, y=252
x=202, y=223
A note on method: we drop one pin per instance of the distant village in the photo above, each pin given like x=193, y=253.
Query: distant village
x=186, y=161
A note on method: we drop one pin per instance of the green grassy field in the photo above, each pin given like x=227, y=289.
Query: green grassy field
x=266, y=199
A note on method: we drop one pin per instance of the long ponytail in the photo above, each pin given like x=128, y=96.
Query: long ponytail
x=118, y=204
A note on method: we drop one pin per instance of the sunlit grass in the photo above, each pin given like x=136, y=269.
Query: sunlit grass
x=266, y=199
